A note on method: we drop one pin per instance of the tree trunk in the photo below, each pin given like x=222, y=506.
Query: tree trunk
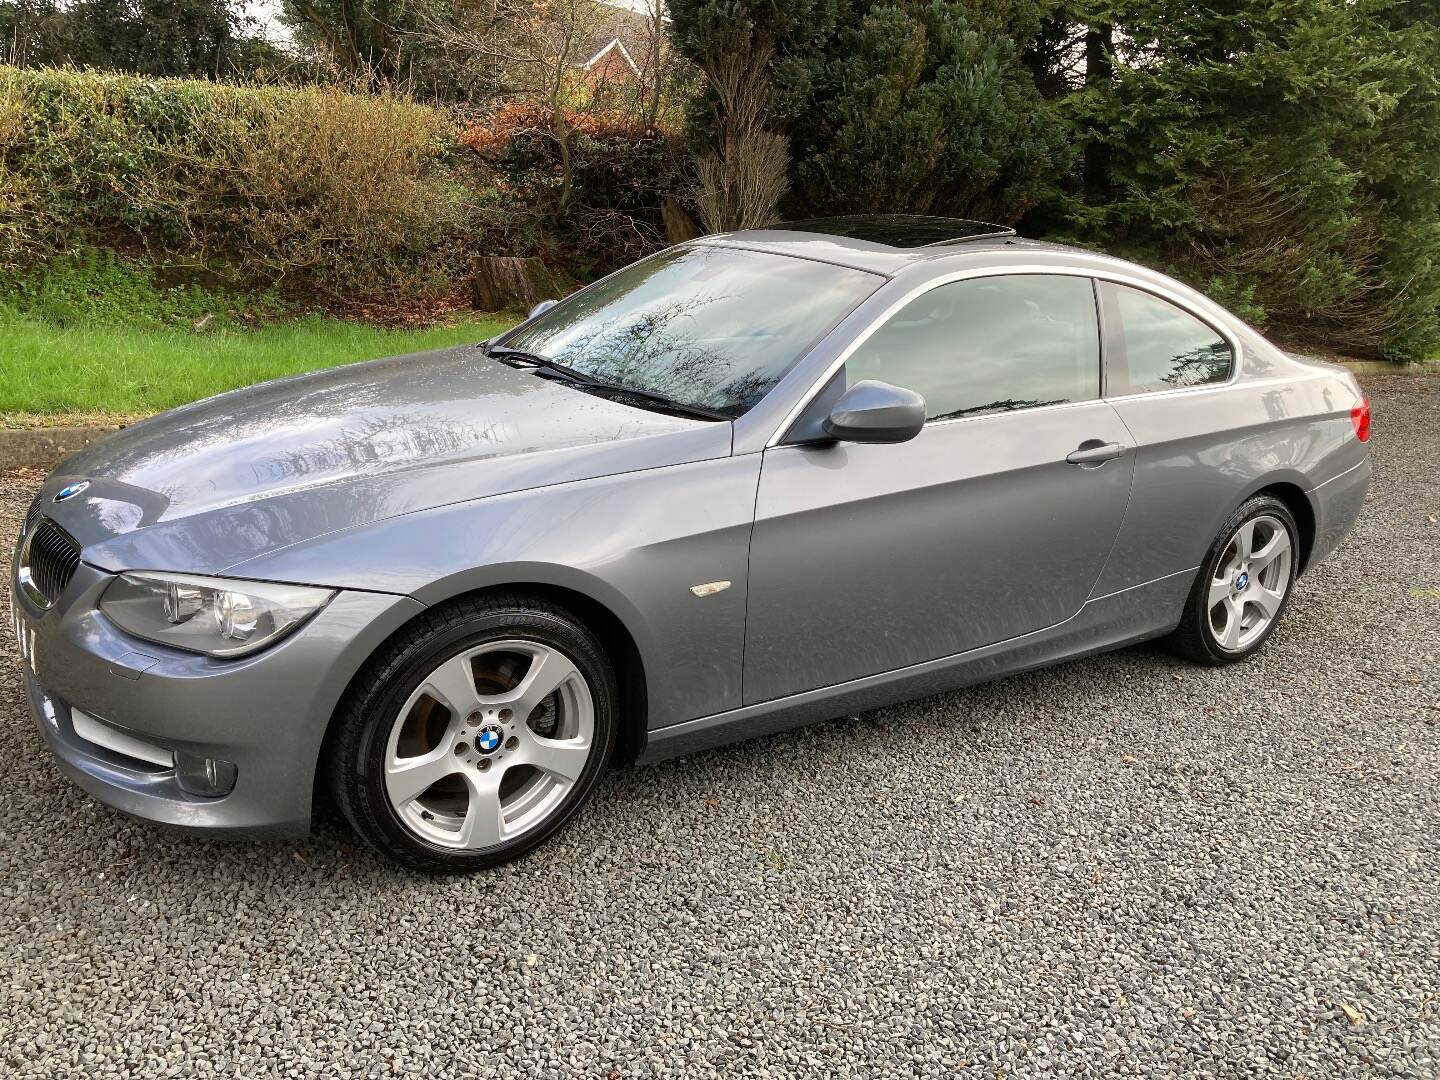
x=679, y=225
x=1099, y=71
x=499, y=282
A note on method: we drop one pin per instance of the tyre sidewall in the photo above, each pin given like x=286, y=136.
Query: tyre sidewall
x=381, y=710
x=1259, y=506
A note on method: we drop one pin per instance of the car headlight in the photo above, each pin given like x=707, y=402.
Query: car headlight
x=214, y=616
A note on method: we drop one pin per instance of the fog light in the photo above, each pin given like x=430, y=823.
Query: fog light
x=206, y=776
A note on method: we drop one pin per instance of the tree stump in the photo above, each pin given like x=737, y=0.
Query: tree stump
x=499, y=283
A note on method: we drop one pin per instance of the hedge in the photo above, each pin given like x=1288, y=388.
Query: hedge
x=311, y=185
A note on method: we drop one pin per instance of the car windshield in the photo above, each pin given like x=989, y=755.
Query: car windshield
x=706, y=326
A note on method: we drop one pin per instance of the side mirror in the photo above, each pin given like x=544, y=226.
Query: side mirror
x=540, y=308
x=876, y=412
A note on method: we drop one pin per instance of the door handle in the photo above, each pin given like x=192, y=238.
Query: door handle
x=1093, y=452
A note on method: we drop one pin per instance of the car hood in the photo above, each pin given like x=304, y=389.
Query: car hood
x=215, y=483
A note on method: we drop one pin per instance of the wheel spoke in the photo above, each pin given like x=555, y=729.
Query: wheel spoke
x=1219, y=590
x=1267, y=600
x=549, y=670
x=453, y=683
x=1245, y=541
x=1277, y=545
x=483, y=825
x=1234, y=609
x=407, y=778
x=562, y=758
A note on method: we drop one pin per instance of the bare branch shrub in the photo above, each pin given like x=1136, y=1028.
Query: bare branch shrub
x=740, y=182
x=741, y=189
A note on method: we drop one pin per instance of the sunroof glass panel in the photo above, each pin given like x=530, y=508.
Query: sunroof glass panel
x=900, y=230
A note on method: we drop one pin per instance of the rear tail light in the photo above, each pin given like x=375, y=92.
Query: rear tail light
x=1360, y=417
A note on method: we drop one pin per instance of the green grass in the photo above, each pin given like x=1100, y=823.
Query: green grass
x=52, y=372
x=99, y=288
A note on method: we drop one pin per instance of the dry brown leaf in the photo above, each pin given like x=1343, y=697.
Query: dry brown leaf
x=1353, y=1014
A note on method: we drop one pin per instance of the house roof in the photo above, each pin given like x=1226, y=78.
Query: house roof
x=616, y=46
x=620, y=31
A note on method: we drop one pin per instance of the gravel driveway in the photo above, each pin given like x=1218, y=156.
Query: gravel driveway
x=1122, y=866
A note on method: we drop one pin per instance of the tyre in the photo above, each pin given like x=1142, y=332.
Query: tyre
x=475, y=734
x=1243, y=585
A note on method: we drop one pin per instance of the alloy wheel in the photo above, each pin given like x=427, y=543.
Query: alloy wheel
x=1249, y=583
x=489, y=744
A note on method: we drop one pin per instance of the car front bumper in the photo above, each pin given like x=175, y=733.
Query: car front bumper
x=264, y=714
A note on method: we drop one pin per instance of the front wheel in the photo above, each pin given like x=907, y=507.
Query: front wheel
x=1242, y=587
x=475, y=735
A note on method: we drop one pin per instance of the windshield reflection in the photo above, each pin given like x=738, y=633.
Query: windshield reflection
x=705, y=326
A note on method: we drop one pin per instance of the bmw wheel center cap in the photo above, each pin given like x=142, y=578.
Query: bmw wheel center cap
x=69, y=491
x=1242, y=581
x=489, y=739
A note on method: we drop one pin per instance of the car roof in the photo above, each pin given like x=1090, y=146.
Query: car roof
x=937, y=260
x=860, y=242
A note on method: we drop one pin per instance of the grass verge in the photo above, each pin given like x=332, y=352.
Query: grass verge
x=52, y=374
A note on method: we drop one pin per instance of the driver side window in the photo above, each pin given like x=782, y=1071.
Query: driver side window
x=991, y=344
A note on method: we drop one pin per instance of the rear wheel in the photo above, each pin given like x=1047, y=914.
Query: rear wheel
x=1242, y=587
x=476, y=734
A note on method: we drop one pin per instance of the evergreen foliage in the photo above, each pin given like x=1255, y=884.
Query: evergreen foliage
x=1282, y=154
x=921, y=106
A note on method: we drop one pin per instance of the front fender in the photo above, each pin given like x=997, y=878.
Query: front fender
x=634, y=543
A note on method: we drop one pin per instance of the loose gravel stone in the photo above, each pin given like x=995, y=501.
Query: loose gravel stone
x=1124, y=866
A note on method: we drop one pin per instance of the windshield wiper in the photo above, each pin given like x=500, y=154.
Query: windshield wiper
x=523, y=358
x=650, y=397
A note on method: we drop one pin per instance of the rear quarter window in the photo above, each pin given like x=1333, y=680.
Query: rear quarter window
x=1155, y=345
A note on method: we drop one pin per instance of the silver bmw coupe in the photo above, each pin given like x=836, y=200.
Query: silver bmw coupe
x=752, y=481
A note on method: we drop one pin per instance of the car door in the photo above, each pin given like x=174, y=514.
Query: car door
x=869, y=558
x=1195, y=440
